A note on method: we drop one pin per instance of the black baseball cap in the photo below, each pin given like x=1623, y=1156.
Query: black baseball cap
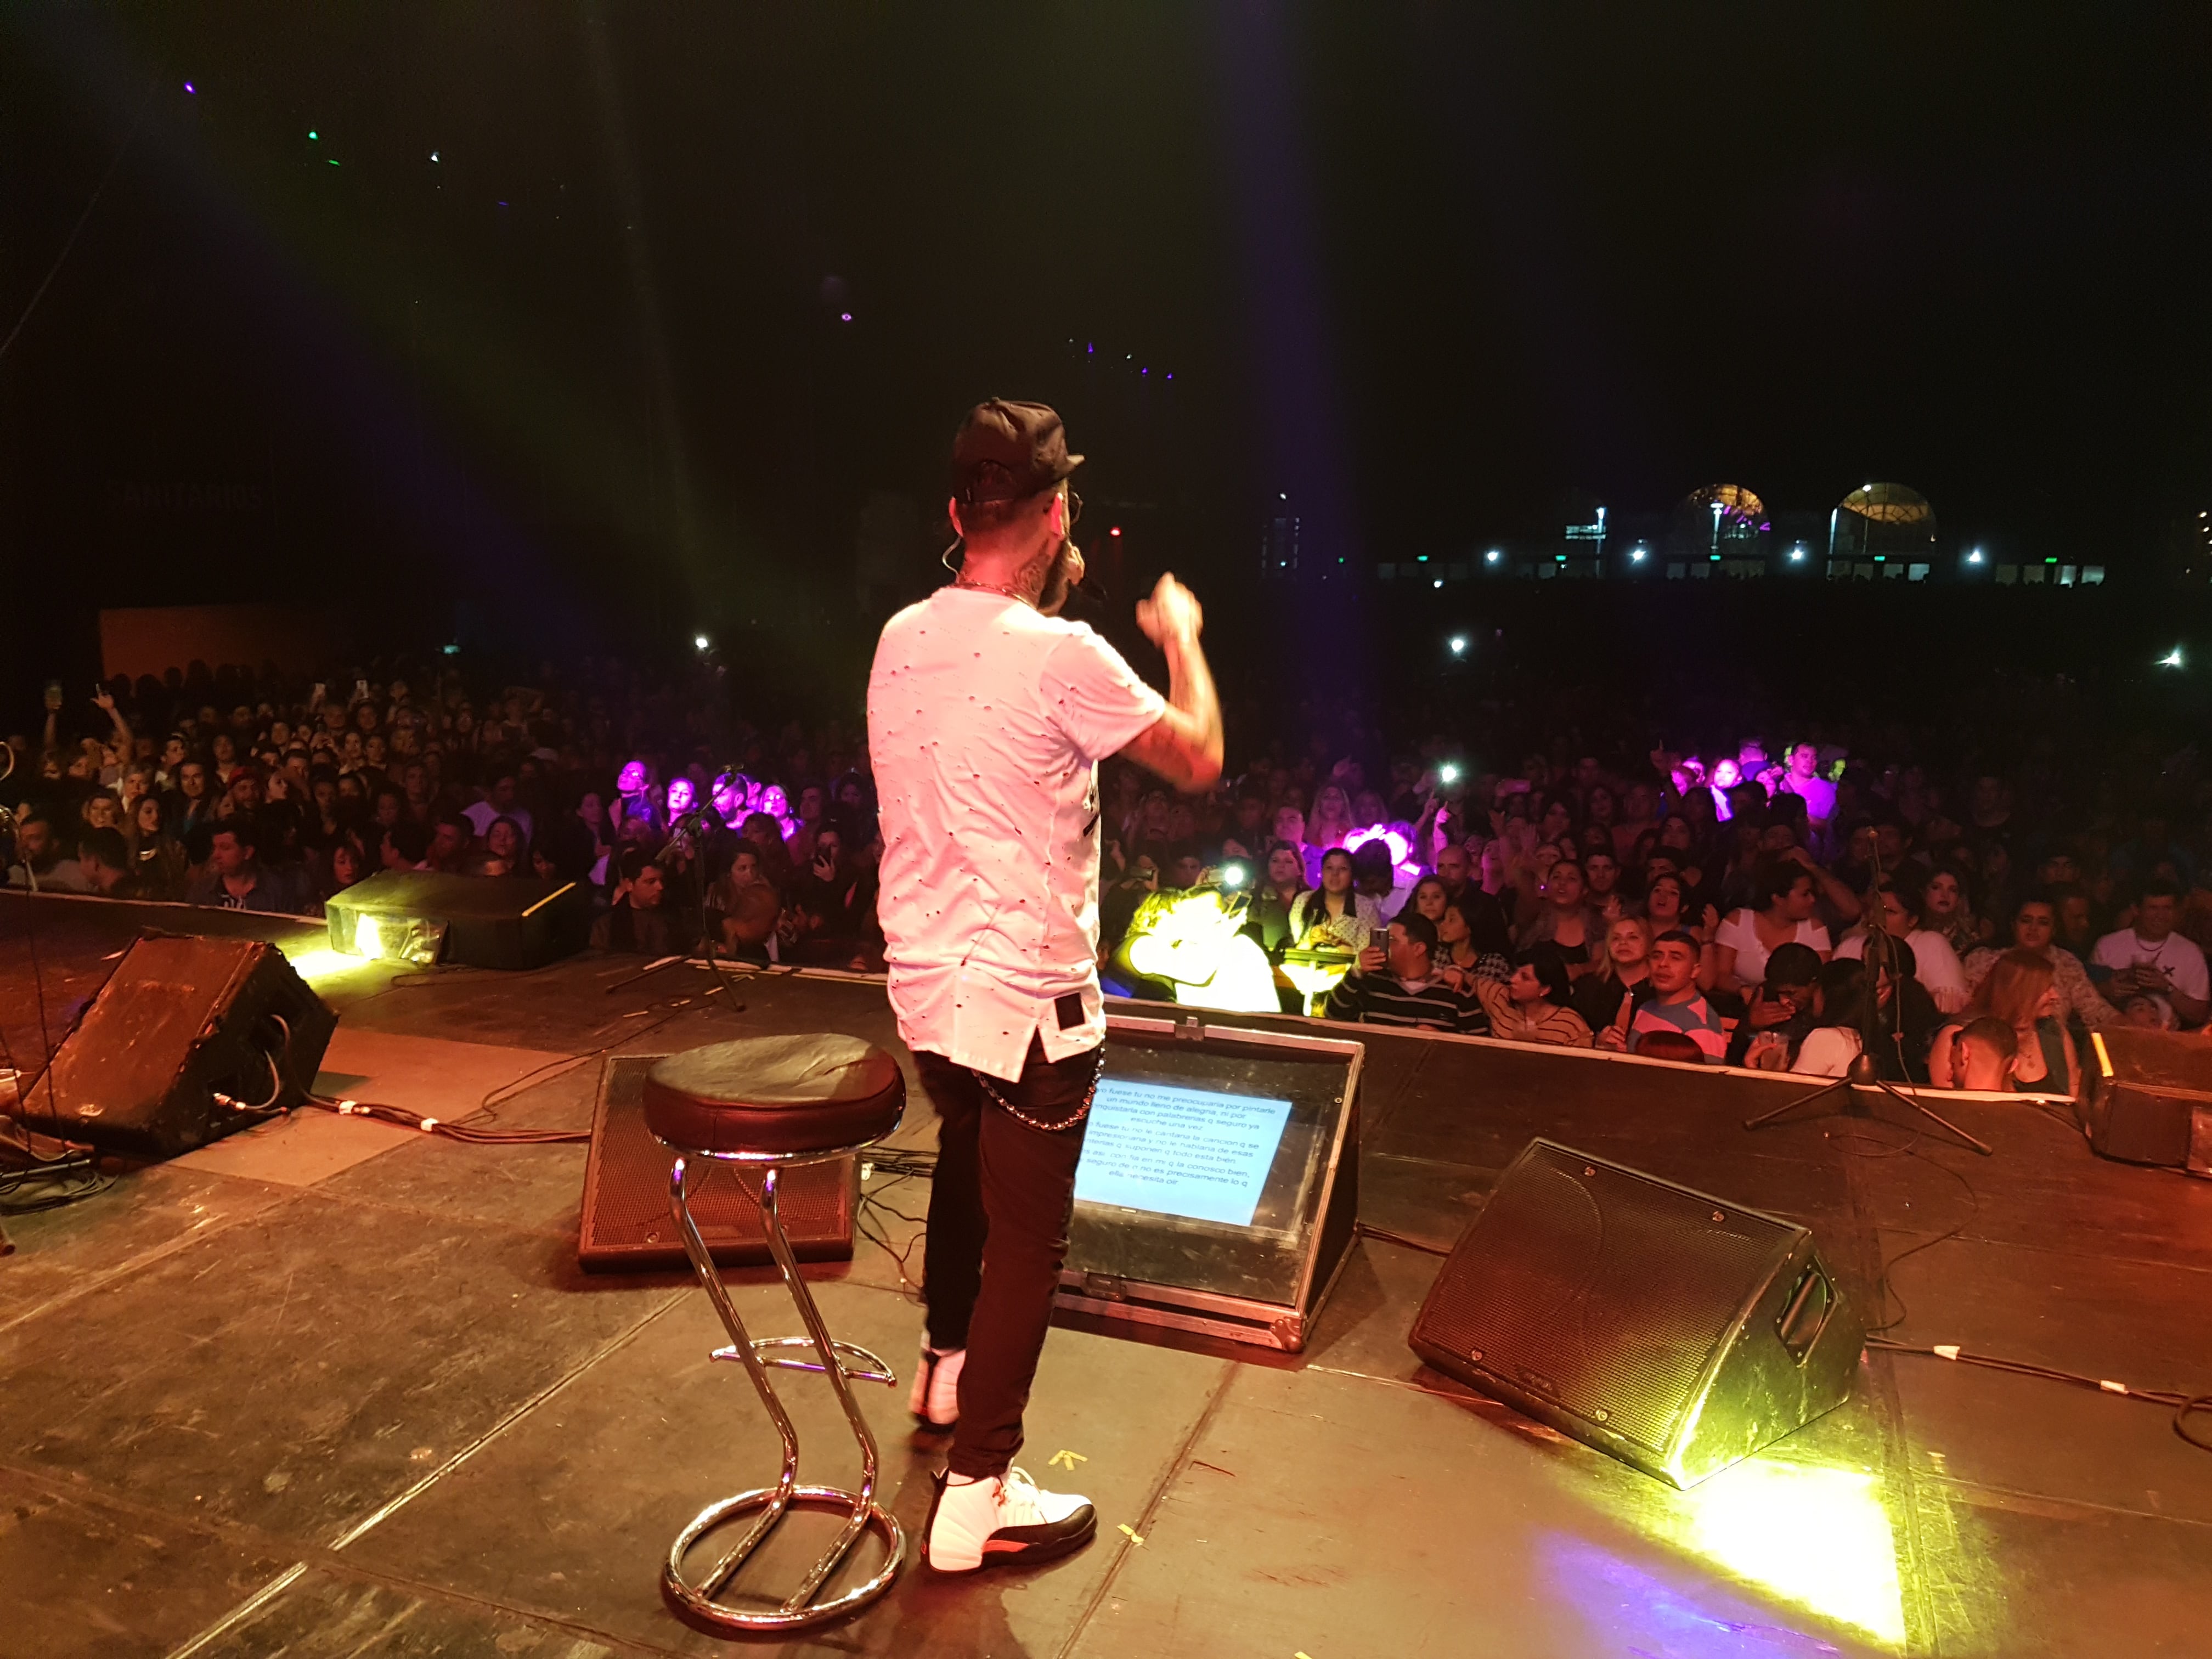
x=1006, y=452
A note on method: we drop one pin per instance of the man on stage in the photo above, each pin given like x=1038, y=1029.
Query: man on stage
x=986, y=718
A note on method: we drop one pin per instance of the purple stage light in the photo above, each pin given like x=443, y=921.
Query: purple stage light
x=844, y=316
x=189, y=87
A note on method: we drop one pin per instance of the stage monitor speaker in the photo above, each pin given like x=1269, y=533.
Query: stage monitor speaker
x=481, y=922
x=2149, y=1099
x=628, y=1227
x=1677, y=1331
x=185, y=1027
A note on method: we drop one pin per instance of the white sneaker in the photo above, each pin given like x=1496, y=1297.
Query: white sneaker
x=935, y=1402
x=1004, y=1522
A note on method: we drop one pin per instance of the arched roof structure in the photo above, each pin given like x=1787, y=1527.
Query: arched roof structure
x=1891, y=503
x=1885, y=518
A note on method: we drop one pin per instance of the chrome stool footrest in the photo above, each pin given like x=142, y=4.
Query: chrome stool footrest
x=842, y=1362
x=870, y=1369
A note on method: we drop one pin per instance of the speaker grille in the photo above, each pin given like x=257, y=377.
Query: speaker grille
x=627, y=1223
x=181, y=1016
x=1601, y=1290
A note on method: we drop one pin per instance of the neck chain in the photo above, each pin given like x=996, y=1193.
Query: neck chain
x=994, y=588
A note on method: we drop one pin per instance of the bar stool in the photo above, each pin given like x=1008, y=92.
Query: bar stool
x=769, y=1103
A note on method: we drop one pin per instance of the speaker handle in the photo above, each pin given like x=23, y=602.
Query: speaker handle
x=1796, y=1344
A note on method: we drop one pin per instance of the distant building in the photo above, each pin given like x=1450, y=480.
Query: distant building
x=1278, y=543
x=1726, y=532
x=1722, y=524
x=1877, y=525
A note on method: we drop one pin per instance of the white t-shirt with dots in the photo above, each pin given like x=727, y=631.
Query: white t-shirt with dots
x=985, y=724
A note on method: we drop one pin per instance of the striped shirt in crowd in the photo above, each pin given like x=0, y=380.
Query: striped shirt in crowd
x=1531, y=1022
x=1694, y=1018
x=1384, y=999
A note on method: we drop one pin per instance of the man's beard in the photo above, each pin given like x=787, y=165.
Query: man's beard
x=1061, y=580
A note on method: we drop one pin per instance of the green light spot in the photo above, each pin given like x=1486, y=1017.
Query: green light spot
x=334, y=161
x=2050, y=562
x=312, y=135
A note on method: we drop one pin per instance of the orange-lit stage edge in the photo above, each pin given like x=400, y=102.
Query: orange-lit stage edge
x=336, y=1386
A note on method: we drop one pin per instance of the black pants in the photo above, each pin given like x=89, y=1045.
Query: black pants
x=998, y=1234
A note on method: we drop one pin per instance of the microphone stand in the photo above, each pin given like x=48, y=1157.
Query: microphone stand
x=10, y=828
x=1880, y=958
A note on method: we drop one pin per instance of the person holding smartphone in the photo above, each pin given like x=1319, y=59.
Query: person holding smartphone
x=832, y=895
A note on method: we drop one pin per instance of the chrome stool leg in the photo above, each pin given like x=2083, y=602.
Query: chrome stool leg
x=842, y=1362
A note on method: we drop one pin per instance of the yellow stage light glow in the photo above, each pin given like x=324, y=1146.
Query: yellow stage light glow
x=1316, y=978
x=322, y=962
x=1192, y=941
x=1819, y=1537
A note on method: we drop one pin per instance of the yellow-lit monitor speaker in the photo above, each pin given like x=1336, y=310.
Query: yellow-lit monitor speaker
x=1677, y=1331
x=484, y=921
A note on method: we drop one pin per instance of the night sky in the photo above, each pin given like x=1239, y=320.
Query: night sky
x=1429, y=268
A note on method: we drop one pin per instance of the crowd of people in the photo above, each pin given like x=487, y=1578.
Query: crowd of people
x=1713, y=909
x=259, y=791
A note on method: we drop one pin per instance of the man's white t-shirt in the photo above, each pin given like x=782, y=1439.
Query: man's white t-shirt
x=985, y=724
x=2181, y=959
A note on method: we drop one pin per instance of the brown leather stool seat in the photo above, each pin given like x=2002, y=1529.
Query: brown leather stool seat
x=787, y=1094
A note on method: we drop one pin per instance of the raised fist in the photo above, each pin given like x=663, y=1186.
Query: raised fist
x=1172, y=613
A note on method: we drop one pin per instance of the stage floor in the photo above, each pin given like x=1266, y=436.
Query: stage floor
x=336, y=1388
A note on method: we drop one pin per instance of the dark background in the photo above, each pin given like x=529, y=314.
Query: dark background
x=586, y=378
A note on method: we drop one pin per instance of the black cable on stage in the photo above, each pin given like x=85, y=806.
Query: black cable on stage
x=483, y=1137
x=2183, y=1405
x=906, y=1165
x=87, y=1181
x=407, y=1120
x=1366, y=1229
x=900, y=1259
x=889, y=1208
x=1884, y=1291
x=507, y=1092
